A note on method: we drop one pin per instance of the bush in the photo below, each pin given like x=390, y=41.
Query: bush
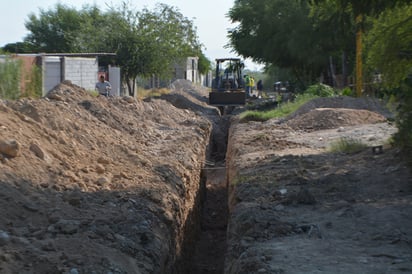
x=347, y=145
x=347, y=92
x=321, y=90
x=10, y=79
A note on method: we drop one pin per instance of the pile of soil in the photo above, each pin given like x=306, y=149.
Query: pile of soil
x=297, y=207
x=99, y=185
x=328, y=118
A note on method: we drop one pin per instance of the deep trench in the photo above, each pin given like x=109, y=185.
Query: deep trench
x=209, y=245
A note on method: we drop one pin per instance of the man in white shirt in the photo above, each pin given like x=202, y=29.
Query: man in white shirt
x=103, y=87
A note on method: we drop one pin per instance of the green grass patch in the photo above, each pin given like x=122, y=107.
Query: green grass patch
x=281, y=111
x=347, y=145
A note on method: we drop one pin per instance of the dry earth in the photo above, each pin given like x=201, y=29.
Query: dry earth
x=116, y=185
x=99, y=185
x=296, y=207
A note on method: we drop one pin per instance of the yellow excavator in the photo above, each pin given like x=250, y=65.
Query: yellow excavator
x=228, y=86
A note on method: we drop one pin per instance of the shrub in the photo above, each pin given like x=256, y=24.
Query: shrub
x=347, y=145
x=10, y=73
x=347, y=92
x=321, y=90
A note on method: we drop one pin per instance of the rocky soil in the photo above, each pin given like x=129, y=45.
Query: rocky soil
x=118, y=185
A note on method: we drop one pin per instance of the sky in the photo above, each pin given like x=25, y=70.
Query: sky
x=208, y=16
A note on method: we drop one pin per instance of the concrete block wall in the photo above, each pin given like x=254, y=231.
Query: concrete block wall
x=81, y=71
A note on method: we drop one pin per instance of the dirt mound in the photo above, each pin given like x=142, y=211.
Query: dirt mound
x=96, y=184
x=365, y=103
x=297, y=207
x=328, y=118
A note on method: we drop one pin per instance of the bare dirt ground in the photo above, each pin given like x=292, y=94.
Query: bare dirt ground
x=296, y=207
x=118, y=185
x=99, y=185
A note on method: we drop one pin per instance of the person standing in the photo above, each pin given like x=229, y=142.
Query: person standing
x=247, y=85
x=103, y=87
x=252, y=86
x=260, y=88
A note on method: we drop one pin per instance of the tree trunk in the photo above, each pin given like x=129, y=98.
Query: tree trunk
x=130, y=87
x=344, y=70
x=332, y=72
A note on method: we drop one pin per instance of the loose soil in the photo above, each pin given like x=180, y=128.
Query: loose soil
x=118, y=185
x=297, y=207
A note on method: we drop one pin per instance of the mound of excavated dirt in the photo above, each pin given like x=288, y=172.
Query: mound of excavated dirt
x=327, y=118
x=296, y=207
x=363, y=103
x=98, y=185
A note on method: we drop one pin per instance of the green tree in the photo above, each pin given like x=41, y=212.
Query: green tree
x=54, y=30
x=388, y=45
x=20, y=47
x=360, y=10
x=389, y=50
x=146, y=42
x=338, y=28
x=279, y=33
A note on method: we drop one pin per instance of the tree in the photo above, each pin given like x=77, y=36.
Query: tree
x=146, y=42
x=390, y=53
x=54, y=30
x=279, y=33
x=149, y=42
x=20, y=47
x=389, y=45
x=360, y=10
x=339, y=27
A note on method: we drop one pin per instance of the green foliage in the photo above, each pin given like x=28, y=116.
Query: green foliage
x=281, y=111
x=292, y=34
x=320, y=90
x=277, y=32
x=403, y=138
x=10, y=74
x=347, y=92
x=389, y=52
x=204, y=64
x=54, y=30
x=20, y=47
x=146, y=42
x=347, y=145
x=389, y=45
x=34, y=86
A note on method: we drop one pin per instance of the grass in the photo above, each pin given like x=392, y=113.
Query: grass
x=145, y=93
x=281, y=111
x=347, y=145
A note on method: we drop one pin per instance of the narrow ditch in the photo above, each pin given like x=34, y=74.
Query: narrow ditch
x=210, y=246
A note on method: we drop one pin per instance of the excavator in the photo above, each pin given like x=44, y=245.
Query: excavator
x=228, y=87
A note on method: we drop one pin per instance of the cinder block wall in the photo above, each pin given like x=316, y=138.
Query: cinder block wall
x=81, y=71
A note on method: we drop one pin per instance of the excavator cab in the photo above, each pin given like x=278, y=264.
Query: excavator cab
x=228, y=87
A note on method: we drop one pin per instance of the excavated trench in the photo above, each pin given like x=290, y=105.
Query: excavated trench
x=205, y=252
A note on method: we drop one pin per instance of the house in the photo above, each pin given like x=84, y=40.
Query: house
x=81, y=69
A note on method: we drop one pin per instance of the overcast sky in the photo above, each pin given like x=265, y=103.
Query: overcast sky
x=209, y=17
